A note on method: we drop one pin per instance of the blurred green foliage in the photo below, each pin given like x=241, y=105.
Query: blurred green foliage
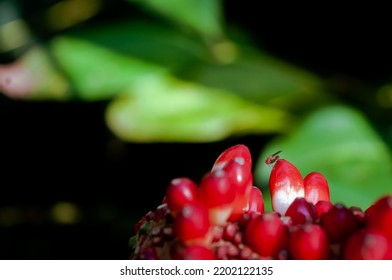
x=340, y=143
x=182, y=76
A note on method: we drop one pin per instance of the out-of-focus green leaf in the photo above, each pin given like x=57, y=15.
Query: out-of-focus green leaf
x=341, y=144
x=99, y=73
x=164, y=109
x=262, y=78
x=203, y=16
x=148, y=41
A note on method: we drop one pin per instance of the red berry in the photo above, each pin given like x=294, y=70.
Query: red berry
x=316, y=188
x=301, y=211
x=194, y=252
x=339, y=223
x=309, y=242
x=192, y=224
x=285, y=185
x=266, y=235
x=181, y=191
x=237, y=162
x=323, y=206
x=256, y=201
x=241, y=178
x=368, y=244
x=237, y=151
x=229, y=231
x=217, y=194
x=379, y=216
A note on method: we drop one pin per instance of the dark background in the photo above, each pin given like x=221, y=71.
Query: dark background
x=52, y=151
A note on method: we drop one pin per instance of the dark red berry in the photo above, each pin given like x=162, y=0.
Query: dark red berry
x=368, y=244
x=243, y=220
x=229, y=231
x=309, y=242
x=323, y=206
x=266, y=235
x=379, y=216
x=301, y=211
x=339, y=223
x=358, y=213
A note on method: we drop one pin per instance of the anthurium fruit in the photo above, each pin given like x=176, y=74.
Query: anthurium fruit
x=316, y=187
x=217, y=193
x=309, y=242
x=266, y=234
x=223, y=218
x=192, y=224
x=180, y=192
x=286, y=184
x=256, y=201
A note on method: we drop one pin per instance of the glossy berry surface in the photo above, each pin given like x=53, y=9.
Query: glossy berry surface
x=237, y=151
x=301, y=211
x=379, y=216
x=216, y=189
x=339, y=223
x=266, y=234
x=309, y=242
x=368, y=244
x=241, y=179
x=322, y=207
x=181, y=191
x=256, y=201
x=192, y=224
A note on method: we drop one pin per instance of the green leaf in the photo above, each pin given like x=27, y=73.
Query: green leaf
x=262, y=78
x=162, y=109
x=148, y=41
x=99, y=73
x=203, y=16
x=340, y=143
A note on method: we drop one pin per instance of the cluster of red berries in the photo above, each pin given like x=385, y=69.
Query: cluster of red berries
x=223, y=218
